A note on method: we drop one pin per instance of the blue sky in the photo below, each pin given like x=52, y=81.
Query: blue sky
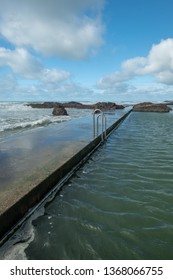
x=86, y=50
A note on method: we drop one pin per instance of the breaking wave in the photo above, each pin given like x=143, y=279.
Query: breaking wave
x=30, y=124
x=16, y=116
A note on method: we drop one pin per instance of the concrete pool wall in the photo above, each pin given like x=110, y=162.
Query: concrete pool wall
x=23, y=205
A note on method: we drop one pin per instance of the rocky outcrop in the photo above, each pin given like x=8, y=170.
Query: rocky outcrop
x=44, y=105
x=151, y=107
x=59, y=111
x=105, y=106
x=77, y=105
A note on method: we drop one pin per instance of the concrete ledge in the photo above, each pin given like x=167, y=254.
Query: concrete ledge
x=23, y=207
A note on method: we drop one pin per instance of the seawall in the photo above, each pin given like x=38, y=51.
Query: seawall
x=24, y=199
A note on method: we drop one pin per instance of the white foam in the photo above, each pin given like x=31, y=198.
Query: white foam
x=33, y=123
x=14, y=248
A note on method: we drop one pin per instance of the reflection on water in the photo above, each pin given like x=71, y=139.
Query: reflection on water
x=119, y=204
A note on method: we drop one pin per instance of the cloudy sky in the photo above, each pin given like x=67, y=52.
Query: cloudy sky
x=86, y=50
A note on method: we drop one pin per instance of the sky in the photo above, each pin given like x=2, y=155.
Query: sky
x=86, y=50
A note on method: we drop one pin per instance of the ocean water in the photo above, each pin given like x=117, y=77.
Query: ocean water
x=17, y=116
x=117, y=206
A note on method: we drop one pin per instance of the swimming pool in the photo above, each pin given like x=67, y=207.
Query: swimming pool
x=118, y=205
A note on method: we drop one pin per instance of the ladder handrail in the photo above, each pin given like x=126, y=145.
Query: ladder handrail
x=95, y=128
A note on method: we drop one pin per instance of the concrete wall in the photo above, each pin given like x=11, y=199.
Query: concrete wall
x=10, y=218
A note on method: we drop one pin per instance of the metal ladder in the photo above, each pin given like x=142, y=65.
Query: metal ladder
x=95, y=124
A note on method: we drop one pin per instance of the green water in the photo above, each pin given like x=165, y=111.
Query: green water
x=119, y=205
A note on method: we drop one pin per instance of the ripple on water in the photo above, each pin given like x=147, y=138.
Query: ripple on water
x=119, y=204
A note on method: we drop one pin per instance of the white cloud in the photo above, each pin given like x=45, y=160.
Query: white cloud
x=27, y=66
x=125, y=92
x=158, y=63
x=27, y=79
x=21, y=62
x=54, y=27
x=7, y=84
x=54, y=75
x=13, y=89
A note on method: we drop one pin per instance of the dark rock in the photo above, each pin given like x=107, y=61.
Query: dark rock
x=45, y=105
x=77, y=105
x=151, y=107
x=169, y=102
x=59, y=111
x=105, y=106
x=119, y=106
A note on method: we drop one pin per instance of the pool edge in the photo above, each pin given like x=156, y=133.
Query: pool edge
x=25, y=206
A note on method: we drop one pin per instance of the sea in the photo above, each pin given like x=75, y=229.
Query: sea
x=16, y=117
x=118, y=206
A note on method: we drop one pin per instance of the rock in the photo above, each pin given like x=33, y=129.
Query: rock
x=44, y=105
x=169, y=103
x=119, y=106
x=77, y=105
x=107, y=106
x=151, y=107
x=59, y=111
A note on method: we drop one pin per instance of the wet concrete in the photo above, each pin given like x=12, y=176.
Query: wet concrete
x=32, y=162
